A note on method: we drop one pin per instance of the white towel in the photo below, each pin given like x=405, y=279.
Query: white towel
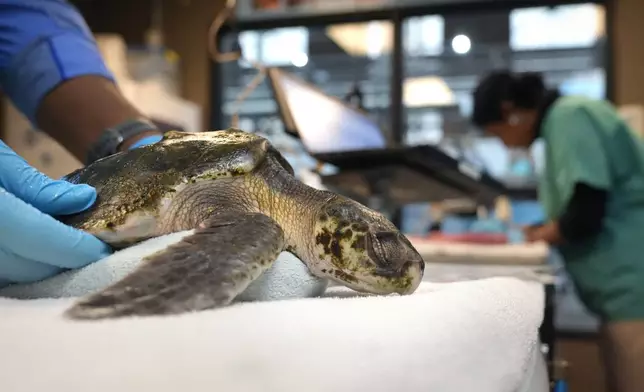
x=452, y=337
x=528, y=254
x=287, y=278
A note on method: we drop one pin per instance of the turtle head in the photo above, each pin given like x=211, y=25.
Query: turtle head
x=361, y=249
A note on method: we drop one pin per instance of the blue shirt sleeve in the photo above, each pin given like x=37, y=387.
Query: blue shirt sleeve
x=42, y=44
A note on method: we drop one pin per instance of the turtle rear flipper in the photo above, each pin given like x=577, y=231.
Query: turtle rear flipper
x=205, y=270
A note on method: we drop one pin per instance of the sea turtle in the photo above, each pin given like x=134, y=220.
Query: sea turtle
x=240, y=196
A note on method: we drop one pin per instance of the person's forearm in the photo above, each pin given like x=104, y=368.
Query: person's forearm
x=584, y=214
x=52, y=70
x=76, y=112
x=581, y=220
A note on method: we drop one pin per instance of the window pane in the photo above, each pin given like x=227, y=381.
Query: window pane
x=566, y=26
x=423, y=36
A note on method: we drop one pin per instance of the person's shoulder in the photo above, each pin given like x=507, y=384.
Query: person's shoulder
x=576, y=116
x=574, y=109
x=571, y=104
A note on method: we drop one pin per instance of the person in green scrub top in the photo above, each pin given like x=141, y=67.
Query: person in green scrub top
x=592, y=192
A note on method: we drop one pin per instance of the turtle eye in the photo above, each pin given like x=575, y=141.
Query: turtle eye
x=391, y=248
x=382, y=245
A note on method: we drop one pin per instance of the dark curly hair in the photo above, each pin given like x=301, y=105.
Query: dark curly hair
x=525, y=90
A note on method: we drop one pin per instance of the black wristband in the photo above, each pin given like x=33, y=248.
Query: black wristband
x=111, y=138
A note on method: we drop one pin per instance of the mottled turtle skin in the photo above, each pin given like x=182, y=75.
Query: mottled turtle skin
x=240, y=196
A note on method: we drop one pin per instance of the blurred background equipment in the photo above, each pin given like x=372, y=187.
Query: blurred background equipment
x=368, y=166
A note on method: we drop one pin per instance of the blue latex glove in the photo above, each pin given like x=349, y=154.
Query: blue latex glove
x=33, y=245
x=145, y=141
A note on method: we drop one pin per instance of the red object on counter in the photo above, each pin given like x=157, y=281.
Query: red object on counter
x=470, y=238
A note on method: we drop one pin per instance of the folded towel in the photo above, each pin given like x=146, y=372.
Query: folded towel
x=452, y=337
x=287, y=278
x=472, y=253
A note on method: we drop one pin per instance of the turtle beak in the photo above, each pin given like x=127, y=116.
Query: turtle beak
x=411, y=273
x=414, y=270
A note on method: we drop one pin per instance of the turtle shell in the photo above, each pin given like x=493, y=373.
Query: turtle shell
x=135, y=182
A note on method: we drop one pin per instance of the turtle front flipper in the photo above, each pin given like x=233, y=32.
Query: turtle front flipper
x=207, y=269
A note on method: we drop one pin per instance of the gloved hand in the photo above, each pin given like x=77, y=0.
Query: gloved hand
x=33, y=245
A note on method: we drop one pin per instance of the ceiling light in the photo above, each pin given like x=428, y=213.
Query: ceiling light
x=426, y=92
x=461, y=44
x=371, y=39
x=300, y=60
